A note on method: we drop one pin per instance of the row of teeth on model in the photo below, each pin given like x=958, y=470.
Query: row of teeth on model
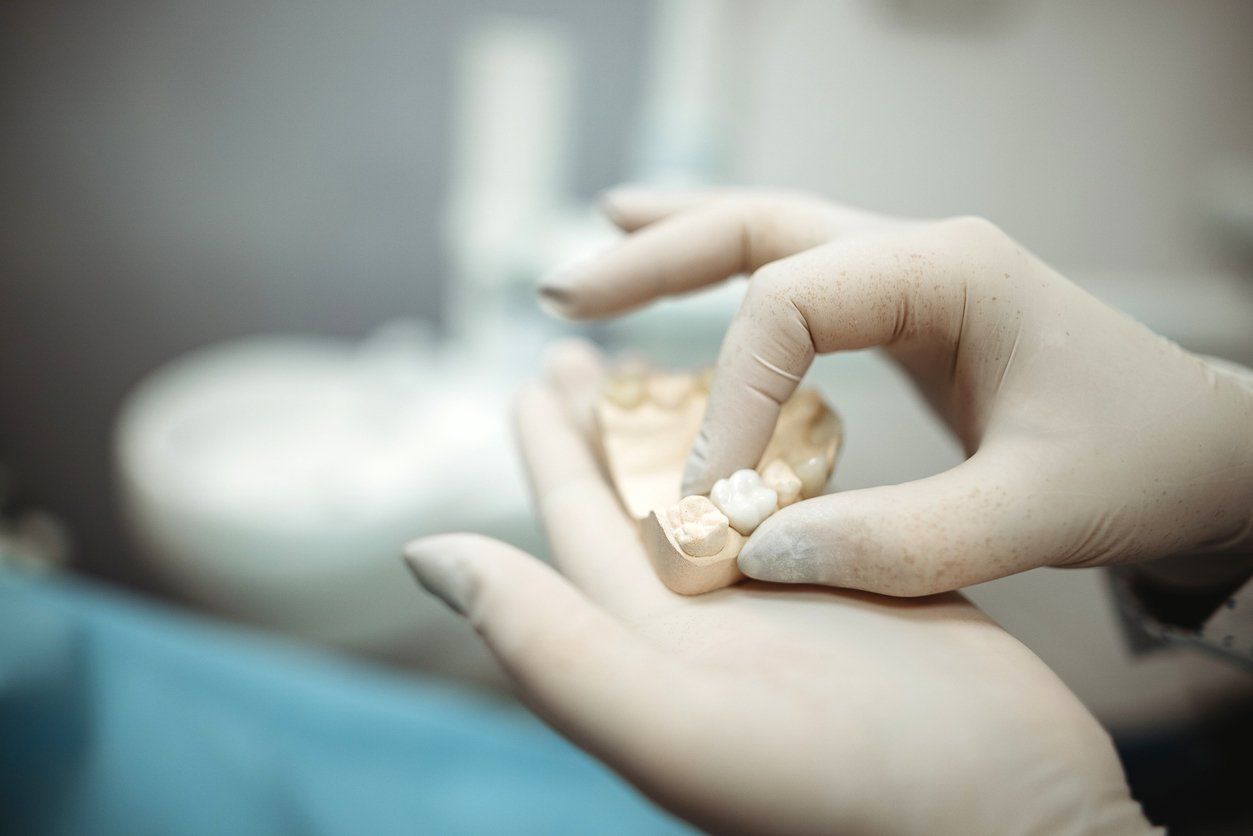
x=701, y=524
x=628, y=390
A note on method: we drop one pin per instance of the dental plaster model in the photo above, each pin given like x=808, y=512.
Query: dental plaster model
x=647, y=422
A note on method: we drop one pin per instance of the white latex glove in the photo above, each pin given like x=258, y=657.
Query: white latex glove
x=1091, y=440
x=762, y=708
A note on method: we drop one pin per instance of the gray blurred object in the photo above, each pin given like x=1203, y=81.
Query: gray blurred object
x=174, y=174
x=1227, y=192
x=30, y=539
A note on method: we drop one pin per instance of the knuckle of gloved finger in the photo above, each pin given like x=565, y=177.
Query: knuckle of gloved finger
x=770, y=313
x=979, y=254
x=969, y=228
x=972, y=234
x=770, y=284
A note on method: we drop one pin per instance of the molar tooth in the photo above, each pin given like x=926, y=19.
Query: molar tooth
x=813, y=474
x=783, y=479
x=699, y=527
x=625, y=390
x=745, y=499
x=669, y=390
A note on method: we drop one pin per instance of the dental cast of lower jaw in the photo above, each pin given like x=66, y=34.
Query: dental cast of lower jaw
x=742, y=501
x=700, y=525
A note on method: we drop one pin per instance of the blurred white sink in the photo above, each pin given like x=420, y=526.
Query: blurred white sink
x=275, y=480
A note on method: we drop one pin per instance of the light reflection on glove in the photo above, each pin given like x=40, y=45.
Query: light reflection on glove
x=1091, y=440
x=760, y=708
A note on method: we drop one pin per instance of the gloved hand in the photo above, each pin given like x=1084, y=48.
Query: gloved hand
x=764, y=709
x=1091, y=440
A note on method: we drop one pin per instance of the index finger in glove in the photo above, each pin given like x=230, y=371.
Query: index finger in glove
x=691, y=249
x=875, y=290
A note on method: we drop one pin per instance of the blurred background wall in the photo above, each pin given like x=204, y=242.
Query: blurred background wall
x=1092, y=131
x=177, y=173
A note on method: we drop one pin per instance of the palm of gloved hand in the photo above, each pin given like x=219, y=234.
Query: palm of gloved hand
x=766, y=708
x=1091, y=439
